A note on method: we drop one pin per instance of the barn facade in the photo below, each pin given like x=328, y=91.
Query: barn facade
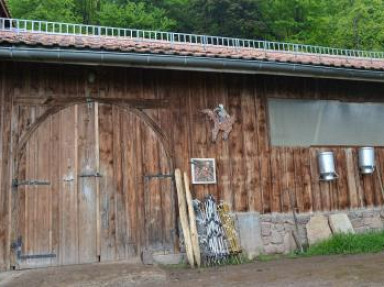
x=94, y=122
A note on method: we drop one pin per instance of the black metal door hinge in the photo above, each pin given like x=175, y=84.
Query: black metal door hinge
x=96, y=174
x=31, y=182
x=159, y=175
x=17, y=247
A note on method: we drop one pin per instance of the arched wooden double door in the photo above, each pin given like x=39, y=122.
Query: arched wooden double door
x=93, y=185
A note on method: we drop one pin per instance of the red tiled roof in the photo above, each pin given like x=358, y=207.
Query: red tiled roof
x=163, y=47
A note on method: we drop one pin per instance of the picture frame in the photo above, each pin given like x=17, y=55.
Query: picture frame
x=203, y=170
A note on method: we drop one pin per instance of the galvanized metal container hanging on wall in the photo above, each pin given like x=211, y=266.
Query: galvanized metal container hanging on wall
x=326, y=166
x=367, y=160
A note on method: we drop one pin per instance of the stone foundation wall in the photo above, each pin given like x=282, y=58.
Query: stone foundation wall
x=277, y=229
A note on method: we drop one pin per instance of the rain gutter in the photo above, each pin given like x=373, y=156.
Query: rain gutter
x=91, y=57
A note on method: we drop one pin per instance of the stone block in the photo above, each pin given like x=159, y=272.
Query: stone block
x=279, y=227
x=277, y=237
x=280, y=249
x=270, y=249
x=289, y=243
x=374, y=223
x=249, y=227
x=340, y=223
x=318, y=229
x=289, y=227
x=357, y=223
x=267, y=240
x=368, y=213
x=355, y=214
x=266, y=228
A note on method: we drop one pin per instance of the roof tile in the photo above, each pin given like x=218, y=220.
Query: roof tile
x=182, y=49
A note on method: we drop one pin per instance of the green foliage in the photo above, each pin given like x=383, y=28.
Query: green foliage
x=135, y=15
x=50, y=10
x=357, y=24
x=242, y=18
x=349, y=244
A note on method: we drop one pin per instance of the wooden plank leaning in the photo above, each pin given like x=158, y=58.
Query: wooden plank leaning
x=184, y=216
x=192, y=222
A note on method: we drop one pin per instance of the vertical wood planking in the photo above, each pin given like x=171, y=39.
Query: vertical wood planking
x=199, y=126
x=315, y=187
x=277, y=178
x=151, y=166
x=129, y=163
x=379, y=171
x=87, y=190
x=377, y=184
x=251, y=162
x=358, y=178
x=163, y=88
x=107, y=187
x=56, y=179
x=139, y=183
x=212, y=102
x=223, y=151
x=290, y=182
x=342, y=183
x=351, y=182
x=69, y=186
x=265, y=153
x=299, y=180
x=42, y=195
x=239, y=194
x=6, y=107
x=307, y=187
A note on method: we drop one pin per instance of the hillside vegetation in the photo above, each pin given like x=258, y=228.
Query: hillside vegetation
x=354, y=24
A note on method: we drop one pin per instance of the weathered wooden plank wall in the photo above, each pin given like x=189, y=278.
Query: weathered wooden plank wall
x=131, y=211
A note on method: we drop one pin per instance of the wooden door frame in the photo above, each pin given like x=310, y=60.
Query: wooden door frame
x=54, y=108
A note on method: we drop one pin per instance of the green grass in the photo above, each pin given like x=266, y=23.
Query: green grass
x=348, y=244
x=269, y=257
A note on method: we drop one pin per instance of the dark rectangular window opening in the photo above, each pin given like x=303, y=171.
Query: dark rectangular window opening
x=325, y=122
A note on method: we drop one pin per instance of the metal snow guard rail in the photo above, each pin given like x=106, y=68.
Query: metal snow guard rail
x=45, y=27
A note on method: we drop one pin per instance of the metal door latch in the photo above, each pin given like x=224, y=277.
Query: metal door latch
x=16, y=182
x=96, y=174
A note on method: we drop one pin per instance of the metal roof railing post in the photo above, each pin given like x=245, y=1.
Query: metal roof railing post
x=34, y=26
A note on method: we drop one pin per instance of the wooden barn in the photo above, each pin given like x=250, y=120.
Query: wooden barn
x=94, y=120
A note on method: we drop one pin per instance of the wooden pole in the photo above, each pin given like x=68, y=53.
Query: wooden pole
x=192, y=222
x=184, y=216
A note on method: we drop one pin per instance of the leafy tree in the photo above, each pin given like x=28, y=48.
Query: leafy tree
x=49, y=10
x=134, y=15
x=242, y=18
x=354, y=24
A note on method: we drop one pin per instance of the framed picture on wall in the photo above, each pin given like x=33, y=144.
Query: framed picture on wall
x=203, y=170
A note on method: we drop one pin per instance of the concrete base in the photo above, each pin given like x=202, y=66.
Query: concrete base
x=248, y=226
x=169, y=259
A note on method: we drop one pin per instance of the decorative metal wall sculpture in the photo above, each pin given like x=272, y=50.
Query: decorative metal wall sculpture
x=221, y=120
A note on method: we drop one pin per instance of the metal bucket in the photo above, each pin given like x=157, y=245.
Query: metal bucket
x=326, y=166
x=367, y=160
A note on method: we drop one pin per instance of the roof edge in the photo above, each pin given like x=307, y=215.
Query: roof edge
x=188, y=63
x=5, y=9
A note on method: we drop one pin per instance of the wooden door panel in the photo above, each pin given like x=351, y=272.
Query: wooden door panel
x=67, y=181
x=88, y=170
x=105, y=197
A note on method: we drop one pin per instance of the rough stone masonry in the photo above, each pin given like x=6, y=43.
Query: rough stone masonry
x=276, y=229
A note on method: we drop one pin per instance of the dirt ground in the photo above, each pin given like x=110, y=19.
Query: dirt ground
x=340, y=271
